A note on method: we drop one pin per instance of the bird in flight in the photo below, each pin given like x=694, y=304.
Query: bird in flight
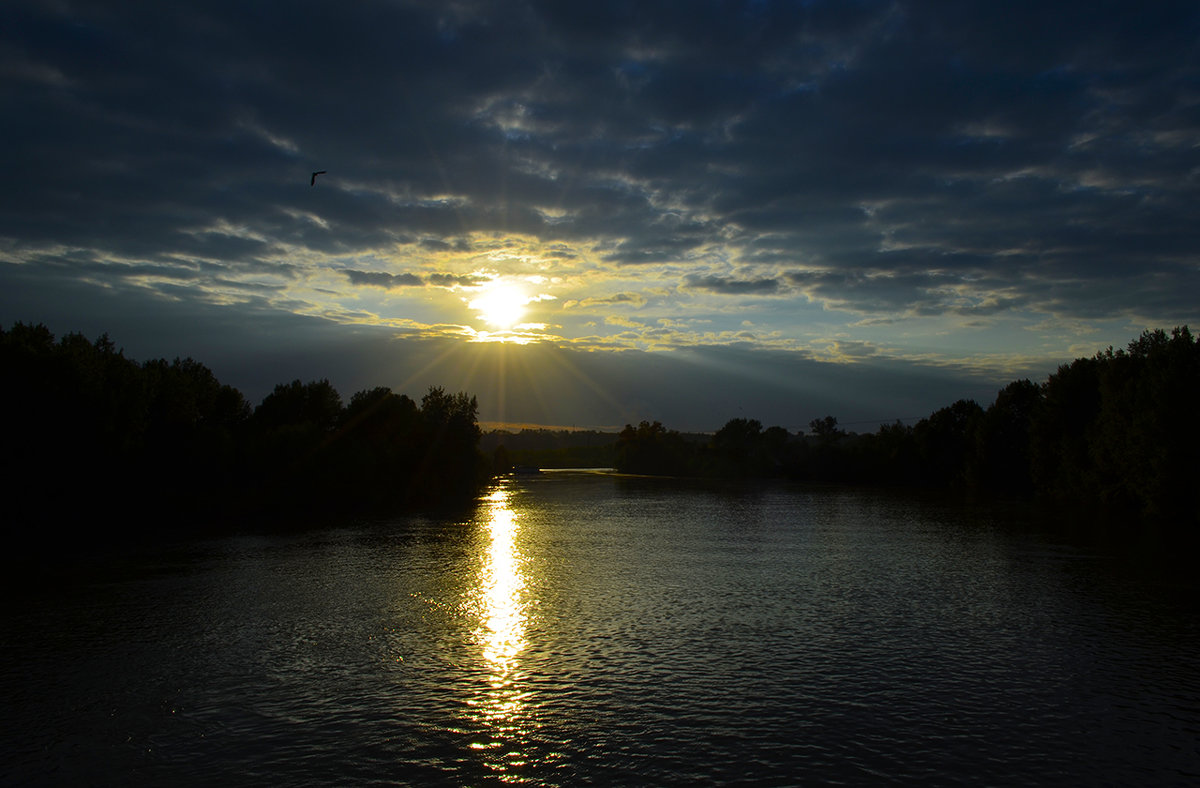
x=313, y=182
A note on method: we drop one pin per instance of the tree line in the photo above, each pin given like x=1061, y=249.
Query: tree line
x=548, y=448
x=96, y=443
x=1119, y=431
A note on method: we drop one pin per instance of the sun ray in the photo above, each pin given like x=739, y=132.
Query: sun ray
x=452, y=350
x=596, y=388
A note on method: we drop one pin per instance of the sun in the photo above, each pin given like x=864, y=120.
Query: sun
x=501, y=304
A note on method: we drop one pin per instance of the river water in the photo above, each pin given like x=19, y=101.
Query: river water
x=594, y=629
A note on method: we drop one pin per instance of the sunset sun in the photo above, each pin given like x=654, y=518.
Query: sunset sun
x=501, y=305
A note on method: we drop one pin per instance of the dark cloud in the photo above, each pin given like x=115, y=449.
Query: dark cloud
x=386, y=281
x=717, y=284
x=455, y=280
x=632, y=299
x=889, y=160
x=390, y=281
x=657, y=250
x=442, y=245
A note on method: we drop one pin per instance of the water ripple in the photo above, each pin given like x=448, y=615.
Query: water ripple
x=582, y=630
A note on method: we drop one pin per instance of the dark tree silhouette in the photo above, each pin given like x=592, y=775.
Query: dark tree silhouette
x=651, y=448
x=90, y=433
x=825, y=430
x=1120, y=429
x=451, y=462
x=375, y=453
x=944, y=443
x=1059, y=459
x=1002, y=457
x=736, y=448
x=100, y=447
x=315, y=404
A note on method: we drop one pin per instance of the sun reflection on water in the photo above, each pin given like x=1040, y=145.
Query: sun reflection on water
x=500, y=705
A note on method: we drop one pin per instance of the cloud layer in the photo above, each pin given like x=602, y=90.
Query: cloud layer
x=968, y=185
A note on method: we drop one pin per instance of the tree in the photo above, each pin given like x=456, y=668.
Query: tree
x=451, y=464
x=315, y=404
x=1143, y=443
x=736, y=447
x=1002, y=457
x=945, y=442
x=826, y=430
x=368, y=461
x=192, y=428
x=651, y=448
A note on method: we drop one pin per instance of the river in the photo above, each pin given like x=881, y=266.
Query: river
x=586, y=628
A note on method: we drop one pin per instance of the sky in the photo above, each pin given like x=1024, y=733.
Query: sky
x=592, y=214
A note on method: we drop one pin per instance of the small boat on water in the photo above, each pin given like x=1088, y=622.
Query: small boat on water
x=526, y=470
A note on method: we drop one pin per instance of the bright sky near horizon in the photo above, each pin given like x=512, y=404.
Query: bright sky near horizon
x=594, y=213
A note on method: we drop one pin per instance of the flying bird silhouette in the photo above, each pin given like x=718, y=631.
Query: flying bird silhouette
x=313, y=182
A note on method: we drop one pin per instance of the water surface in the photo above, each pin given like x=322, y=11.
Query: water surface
x=583, y=628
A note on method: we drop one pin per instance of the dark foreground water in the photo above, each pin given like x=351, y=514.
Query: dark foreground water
x=591, y=629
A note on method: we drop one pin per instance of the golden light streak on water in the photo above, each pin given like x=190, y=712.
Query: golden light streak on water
x=500, y=705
